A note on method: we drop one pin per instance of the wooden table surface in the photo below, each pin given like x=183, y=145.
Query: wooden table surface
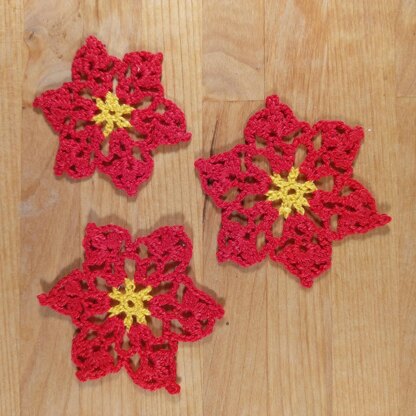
x=345, y=347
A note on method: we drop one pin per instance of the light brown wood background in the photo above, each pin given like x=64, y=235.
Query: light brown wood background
x=346, y=347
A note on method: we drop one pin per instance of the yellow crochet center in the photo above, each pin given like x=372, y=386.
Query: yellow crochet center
x=131, y=303
x=112, y=113
x=290, y=192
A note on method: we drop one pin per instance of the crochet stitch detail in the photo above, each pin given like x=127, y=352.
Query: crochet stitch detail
x=137, y=322
x=317, y=199
x=112, y=116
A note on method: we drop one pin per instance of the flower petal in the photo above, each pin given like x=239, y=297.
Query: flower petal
x=351, y=205
x=127, y=163
x=157, y=362
x=105, y=249
x=144, y=77
x=231, y=176
x=76, y=295
x=335, y=156
x=304, y=249
x=76, y=151
x=93, y=349
x=165, y=251
x=276, y=129
x=246, y=235
x=93, y=65
x=163, y=122
x=65, y=107
x=186, y=316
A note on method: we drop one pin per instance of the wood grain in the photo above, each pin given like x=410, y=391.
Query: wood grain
x=345, y=347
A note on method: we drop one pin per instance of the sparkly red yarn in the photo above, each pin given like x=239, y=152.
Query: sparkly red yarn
x=179, y=311
x=136, y=80
x=238, y=180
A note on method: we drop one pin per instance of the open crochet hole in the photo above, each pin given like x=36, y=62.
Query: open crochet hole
x=160, y=109
x=171, y=266
x=180, y=293
x=163, y=287
x=317, y=141
x=346, y=191
x=261, y=143
x=300, y=155
x=337, y=168
x=105, y=146
x=325, y=184
x=235, y=216
x=144, y=104
x=125, y=343
x=319, y=162
x=155, y=324
x=314, y=218
x=282, y=247
x=112, y=352
x=278, y=150
x=152, y=268
x=289, y=138
x=134, y=362
x=262, y=163
x=142, y=251
x=260, y=240
x=91, y=334
x=129, y=268
x=250, y=200
x=259, y=219
x=277, y=227
x=98, y=319
x=176, y=327
x=333, y=222
x=137, y=154
x=231, y=194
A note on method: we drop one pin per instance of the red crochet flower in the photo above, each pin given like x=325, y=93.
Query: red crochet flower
x=133, y=323
x=256, y=182
x=116, y=102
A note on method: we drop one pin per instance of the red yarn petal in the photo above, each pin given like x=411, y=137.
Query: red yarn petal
x=246, y=235
x=304, y=249
x=156, y=366
x=187, y=313
x=276, y=128
x=127, y=163
x=142, y=78
x=65, y=107
x=165, y=251
x=76, y=152
x=350, y=207
x=163, y=122
x=335, y=156
x=105, y=249
x=231, y=176
x=75, y=295
x=93, y=65
x=93, y=349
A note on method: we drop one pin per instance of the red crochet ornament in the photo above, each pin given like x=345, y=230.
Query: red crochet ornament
x=118, y=318
x=257, y=181
x=119, y=103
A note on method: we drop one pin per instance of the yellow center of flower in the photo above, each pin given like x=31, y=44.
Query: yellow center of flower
x=112, y=113
x=290, y=192
x=130, y=303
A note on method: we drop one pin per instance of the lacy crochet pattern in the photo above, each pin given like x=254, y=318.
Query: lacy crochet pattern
x=111, y=116
x=259, y=184
x=135, y=321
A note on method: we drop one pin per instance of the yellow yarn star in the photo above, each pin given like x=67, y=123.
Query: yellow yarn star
x=131, y=303
x=290, y=192
x=112, y=113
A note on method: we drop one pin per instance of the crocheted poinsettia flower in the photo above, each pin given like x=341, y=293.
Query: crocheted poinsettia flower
x=317, y=199
x=112, y=115
x=134, y=321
